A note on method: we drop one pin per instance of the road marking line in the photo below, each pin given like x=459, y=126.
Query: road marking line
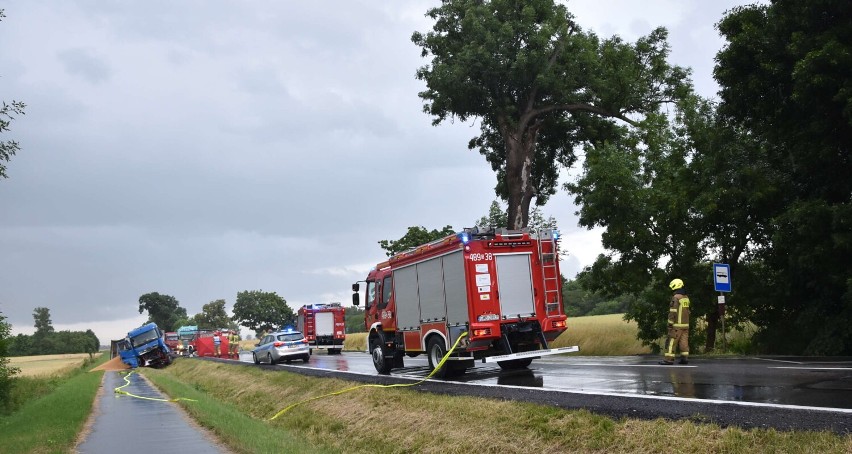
x=812, y=368
x=674, y=366
x=780, y=360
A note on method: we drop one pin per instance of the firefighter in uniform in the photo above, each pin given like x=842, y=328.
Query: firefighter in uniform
x=233, y=344
x=678, y=326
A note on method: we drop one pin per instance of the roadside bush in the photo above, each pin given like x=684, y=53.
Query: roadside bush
x=7, y=372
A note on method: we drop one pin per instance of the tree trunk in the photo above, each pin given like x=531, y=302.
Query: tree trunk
x=520, y=149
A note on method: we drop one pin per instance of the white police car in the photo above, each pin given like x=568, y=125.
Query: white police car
x=282, y=346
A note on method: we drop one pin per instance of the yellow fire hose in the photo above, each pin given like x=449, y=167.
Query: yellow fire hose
x=127, y=382
x=398, y=385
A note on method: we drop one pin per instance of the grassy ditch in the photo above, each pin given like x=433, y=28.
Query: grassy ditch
x=49, y=412
x=398, y=420
x=596, y=335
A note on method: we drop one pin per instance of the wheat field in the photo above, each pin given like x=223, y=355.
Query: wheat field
x=42, y=365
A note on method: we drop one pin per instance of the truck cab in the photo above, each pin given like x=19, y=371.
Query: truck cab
x=148, y=347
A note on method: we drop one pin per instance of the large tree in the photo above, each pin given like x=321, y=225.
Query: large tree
x=786, y=78
x=213, y=315
x=43, y=324
x=684, y=192
x=262, y=311
x=164, y=310
x=8, y=148
x=539, y=86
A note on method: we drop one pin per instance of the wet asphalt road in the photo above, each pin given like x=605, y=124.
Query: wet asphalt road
x=783, y=393
x=125, y=424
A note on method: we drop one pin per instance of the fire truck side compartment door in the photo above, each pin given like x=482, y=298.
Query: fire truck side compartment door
x=407, y=303
x=514, y=284
x=455, y=289
x=430, y=280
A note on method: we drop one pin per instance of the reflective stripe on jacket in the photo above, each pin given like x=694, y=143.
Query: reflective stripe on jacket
x=679, y=311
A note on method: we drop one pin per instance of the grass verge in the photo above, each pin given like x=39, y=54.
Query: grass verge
x=51, y=411
x=404, y=420
x=236, y=429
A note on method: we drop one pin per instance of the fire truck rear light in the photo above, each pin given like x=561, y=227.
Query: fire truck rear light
x=487, y=318
x=482, y=332
x=559, y=323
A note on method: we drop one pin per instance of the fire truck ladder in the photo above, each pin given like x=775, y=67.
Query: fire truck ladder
x=547, y=257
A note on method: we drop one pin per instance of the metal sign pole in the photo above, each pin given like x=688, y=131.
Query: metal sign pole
x=722, y=283
x=722, y=317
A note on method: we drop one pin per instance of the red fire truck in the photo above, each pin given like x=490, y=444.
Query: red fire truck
x=324, y=326
x=502, y=287
x=172, y=340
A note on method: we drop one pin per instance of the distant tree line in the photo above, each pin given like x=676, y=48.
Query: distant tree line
x=47, y=341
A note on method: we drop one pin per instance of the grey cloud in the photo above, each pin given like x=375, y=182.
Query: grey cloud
x=200, y=148
x=83, y=63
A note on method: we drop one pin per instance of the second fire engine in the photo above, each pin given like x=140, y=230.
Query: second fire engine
x=324, y=326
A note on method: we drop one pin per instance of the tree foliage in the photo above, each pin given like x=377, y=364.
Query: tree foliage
x=47, y=341
x=786, y=78
x=213, y=315
x=43, y=324
x=498, y=217
x=262, y=311
x=8, y=148
x=355, y=320
x=164, y=310
x=762, y=182
x=539, y=85
x=683, y=192
x=7, y=372
x=415, y=236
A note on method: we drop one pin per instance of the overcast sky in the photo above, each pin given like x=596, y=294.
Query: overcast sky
x=202, y=148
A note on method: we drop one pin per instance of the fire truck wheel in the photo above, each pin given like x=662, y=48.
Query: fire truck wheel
x=514, y=363
x=269, y=358
x=436, y=351
x=382, y=365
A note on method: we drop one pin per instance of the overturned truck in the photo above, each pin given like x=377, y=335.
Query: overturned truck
x=145, y=346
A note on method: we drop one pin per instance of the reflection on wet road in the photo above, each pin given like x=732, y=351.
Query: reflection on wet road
x=127, y=425
x=810, y=382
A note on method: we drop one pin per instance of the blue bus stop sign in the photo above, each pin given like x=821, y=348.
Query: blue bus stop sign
x=722, y=277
